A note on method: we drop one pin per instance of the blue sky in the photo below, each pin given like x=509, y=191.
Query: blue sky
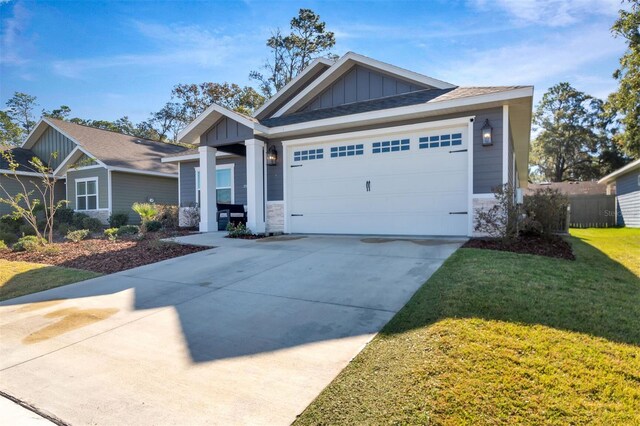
x=110, y=59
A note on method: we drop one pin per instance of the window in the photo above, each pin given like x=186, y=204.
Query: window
x=224, y=184
x=441, y=141
x=310, y=154
x=391, y=146
x=347, y=150
x=87, y=194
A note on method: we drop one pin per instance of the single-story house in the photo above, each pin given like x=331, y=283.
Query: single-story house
x=358, y=146
x=103, y=172
x=627, y=182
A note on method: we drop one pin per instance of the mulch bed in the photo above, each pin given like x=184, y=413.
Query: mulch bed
x=552, y=247
x=104, y=256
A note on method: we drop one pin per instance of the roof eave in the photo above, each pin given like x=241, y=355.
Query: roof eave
x=623, y=170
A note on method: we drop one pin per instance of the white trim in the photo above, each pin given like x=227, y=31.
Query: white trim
x=285, y=198
x=197, y=177
x=95, y=166
x=21, y=173
x=484, y=195
x=74, y=157
x=191, y=157
x=230, y=166
x=87, y=195
x=452, y=122
x=375, y=117
x=505, y=144
x=109, y=193
x=470, y=212
x=341, y=65
x=629, y=167
x=142, y=172
x=179, y=187
x=312, y=66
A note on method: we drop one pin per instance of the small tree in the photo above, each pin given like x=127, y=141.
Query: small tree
x=24, y=204
x=501, y=220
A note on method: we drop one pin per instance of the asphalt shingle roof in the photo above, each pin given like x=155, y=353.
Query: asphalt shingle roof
x=120, y=150
x=20, y=156
x=396, y=101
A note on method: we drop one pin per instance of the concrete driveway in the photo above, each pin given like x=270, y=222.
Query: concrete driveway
x=246, y=333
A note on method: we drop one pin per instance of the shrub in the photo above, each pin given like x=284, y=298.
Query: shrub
x=92, y=224
x=64, y=215
x=116, y=220
x=9, y=223
x=8, y=237
x=127, y=230
x=238, y=230
x=26, y=230
x=65, y=228
x=77, y=236
x=49, y=249
x=111, y=233
x=3, y=246
x=501, y=220
x=191, y=217
x=152, y=226
x=29, y=243
x=548, y=207
x=168, y=216
x=78, y=218
x=147, y=211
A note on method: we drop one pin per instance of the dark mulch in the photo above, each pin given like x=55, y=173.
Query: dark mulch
x=104, y=256
x=550, y=247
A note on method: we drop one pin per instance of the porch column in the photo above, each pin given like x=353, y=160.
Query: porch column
x=255, y=185
x=208, y=208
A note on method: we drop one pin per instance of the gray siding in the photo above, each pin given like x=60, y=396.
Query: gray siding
x=103, y=185
x=628, y=196
x=13, y=187
x=275, y=185
x=226, y=131
x=510, y=158
x=188, y=180
x=53, y=141
x=360, y=84
x=129, y=188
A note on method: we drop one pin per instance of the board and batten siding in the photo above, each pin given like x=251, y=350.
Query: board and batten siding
x=188, y=180
x=13, y=187
x=103, y=185
x=53, y=141
x=628, y=197
x=226, y=131
x=129, y=188
x=360, y=84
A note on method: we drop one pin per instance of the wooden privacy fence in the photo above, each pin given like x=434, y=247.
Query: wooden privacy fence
x=592, y=211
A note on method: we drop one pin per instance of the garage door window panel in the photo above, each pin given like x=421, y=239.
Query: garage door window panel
x=309, y=154
x=391, y=146
x=347, y=150
x=440, y=141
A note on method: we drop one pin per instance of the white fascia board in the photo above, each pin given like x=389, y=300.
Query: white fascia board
x=143, y=172
x=363, y=118
x=452, y=122
x=73, y=156
x=612, y=176
x=372, y=63
x=34, y=134
x=190, y=157
x=311, y=67
x=7, y=172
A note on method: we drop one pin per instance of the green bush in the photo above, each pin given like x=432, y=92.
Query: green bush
x=77, y=219
x=111, y=233
x=237, y=231
x=152, y=226
x=127, y=230
x=147, y=211
x=92, y=224
x=26, y=230
x=77, y=236
x=64, y=215
x=29, y=243
x=3, y=246
x=116, y=220
x=548, y=207
x=8, y=237
x=9, y=223
x=65, y=228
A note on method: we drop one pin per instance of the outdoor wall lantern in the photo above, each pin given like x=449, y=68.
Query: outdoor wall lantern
x=486, y=133
x=272, y=156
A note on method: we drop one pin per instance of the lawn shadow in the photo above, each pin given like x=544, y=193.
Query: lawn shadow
x=594, y=295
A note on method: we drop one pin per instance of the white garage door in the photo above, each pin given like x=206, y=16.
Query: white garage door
x=397, y=184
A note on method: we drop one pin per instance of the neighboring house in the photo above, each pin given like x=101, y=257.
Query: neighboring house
x=105, y=172
x=23, y=176
x=627, y=183
x=358, y=146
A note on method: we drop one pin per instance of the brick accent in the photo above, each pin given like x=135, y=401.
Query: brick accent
x=103, y=215
x=481, y=204
x=275, y=217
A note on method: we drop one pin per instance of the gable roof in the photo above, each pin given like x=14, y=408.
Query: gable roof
x=20, y=156
x=344, y=64
x=111, y=149
x=406, y=99
x=613, y=176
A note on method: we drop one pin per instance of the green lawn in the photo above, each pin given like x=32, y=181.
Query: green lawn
x=20, y=278
x=503, y=338
x=620, y=244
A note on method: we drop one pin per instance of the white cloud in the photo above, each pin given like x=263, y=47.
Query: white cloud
x=176, y=45
x=559, y=56
x=12, y=39
x=553, y=13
